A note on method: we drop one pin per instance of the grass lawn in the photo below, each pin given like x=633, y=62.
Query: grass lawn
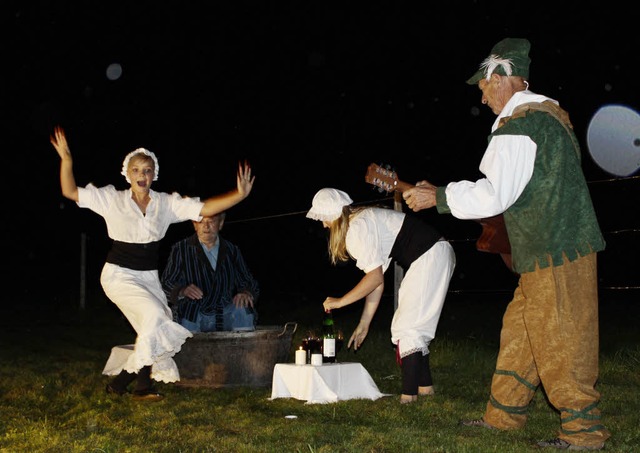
x=53, y=400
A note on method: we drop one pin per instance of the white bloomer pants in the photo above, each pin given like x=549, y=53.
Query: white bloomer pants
x=420, y=299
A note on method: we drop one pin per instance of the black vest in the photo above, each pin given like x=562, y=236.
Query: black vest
x=414, y=238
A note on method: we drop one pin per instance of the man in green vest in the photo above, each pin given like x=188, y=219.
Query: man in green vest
x=533, y=178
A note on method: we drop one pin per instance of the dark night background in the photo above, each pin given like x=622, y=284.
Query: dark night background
x=310, y=93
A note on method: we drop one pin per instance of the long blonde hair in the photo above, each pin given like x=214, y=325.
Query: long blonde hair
x=338, y=234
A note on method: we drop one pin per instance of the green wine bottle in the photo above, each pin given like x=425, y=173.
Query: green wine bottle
x=328, y=338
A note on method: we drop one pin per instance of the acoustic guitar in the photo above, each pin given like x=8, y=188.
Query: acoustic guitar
x=494, y=238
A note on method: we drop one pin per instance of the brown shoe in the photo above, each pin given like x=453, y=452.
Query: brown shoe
x=478, y=422
x=147, y=395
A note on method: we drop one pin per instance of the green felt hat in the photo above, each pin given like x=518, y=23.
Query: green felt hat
x=510, y=57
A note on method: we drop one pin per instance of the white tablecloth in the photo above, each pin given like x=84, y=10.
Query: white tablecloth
x=118, y=357
x=327, y=383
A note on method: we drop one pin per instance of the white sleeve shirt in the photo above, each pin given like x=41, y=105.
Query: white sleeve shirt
x=372, y=233
x=126, y=223
x=507, y=164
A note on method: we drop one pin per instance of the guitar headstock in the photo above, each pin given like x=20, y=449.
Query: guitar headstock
x=383, y=178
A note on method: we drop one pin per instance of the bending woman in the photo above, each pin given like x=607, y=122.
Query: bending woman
x=373, y=237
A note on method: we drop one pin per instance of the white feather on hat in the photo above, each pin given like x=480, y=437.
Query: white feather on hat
x=492, y=62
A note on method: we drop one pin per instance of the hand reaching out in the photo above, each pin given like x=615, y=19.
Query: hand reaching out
x=358, y=336
x=331, y=303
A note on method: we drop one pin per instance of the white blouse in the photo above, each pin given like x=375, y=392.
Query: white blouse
x=126, y=223
x=371, y=235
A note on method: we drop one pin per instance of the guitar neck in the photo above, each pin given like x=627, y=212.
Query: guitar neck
x=385, y=179
x=401, y=186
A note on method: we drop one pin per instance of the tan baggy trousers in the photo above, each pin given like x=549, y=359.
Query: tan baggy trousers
x=550, y=336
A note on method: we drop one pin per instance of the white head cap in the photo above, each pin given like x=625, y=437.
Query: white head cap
x=327, y=204
x=125, y=164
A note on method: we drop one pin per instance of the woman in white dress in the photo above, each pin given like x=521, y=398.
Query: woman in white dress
x=137, y=219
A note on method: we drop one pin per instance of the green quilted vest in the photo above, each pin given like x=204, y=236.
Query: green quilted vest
x=554, y=215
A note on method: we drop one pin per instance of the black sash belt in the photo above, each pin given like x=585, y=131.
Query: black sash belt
x=139, y=257
x=415, y=238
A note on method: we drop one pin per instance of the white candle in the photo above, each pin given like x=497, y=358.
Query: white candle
x=301, y=356
x=316, y=359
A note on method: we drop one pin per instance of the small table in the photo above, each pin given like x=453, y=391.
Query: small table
x=327, y=383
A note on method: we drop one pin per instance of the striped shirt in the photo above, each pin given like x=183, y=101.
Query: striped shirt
x=188, y=264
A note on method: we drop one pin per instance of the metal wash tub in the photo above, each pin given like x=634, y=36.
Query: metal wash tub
x=232, y=359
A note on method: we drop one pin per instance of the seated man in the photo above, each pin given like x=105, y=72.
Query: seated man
x=207, y=282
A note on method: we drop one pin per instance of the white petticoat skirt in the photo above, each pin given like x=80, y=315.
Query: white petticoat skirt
x=139, y=295
x=420, y=299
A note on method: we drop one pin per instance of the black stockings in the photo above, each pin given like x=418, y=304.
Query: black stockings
x=415, y=373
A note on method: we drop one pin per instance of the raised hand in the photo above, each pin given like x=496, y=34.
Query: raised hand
x=244, y=179
x=67, y=180
x=59, y=142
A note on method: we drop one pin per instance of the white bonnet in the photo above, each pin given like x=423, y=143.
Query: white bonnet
x=327, y=204
x=125, y=164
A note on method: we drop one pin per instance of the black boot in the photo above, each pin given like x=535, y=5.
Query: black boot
x=144, y=390
x=118, y=386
